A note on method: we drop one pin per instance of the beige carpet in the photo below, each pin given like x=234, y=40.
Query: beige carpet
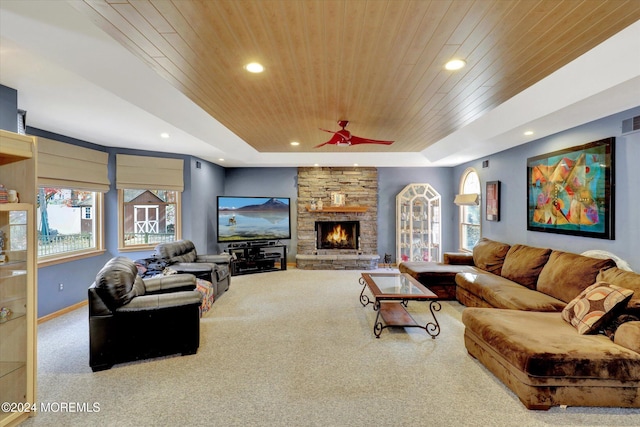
x=294, y=348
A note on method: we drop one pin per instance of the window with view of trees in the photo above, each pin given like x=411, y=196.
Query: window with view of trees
x=469, y=214
x=149, y=217
x=63, y=226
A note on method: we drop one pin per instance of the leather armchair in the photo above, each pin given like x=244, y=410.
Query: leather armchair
x=182, y=257
x=131, y=318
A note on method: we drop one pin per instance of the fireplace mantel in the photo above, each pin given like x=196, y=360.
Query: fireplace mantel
x=341, y=209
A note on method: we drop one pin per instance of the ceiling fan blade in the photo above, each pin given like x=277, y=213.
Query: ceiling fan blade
x=334, y=140
x=358, y=140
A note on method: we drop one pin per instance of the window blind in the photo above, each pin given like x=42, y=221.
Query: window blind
x=149, y=173
x=467, y=199
x=65, y=165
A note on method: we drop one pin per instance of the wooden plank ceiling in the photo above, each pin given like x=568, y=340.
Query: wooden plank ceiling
x=377, y=63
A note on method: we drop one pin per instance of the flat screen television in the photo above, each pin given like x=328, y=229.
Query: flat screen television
x=246, y=219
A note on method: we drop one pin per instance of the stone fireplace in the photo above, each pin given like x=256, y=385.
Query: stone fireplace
x=355, y=244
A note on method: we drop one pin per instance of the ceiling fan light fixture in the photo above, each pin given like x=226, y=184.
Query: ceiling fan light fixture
x=455, y=64
x=254, y=67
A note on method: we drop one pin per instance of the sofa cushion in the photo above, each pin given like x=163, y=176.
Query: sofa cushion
x=457, y=258
x=503, y=293
x=565, y=274
x=433, y=272
x=610, y=328
x=523, y=264
x=595, y=306
x=628, y=335
x=625, y=279
x=547, y=348
x=118, y=282
x=174, y=252
x=489, y=255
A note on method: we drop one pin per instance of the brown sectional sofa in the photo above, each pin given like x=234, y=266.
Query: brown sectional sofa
x=514, y=325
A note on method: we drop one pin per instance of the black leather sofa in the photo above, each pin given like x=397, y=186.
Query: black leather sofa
x=131, y=318
x=182, y=257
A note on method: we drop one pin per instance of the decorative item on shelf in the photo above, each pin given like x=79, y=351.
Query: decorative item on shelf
x=319, y=204
x=387, y=261
x=12, y=196
x=3, y=257
x=338, y=198
x=313, y=205
x=4, y=196
x=5, y=313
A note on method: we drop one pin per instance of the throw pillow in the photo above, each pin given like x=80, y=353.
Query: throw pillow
x=523, y=264
x=595, y=306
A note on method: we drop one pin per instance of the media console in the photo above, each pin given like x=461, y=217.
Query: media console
x=250, y=258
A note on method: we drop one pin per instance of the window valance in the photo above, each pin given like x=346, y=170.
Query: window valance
x=65, y=165
x=149, y=173
x=467, y=199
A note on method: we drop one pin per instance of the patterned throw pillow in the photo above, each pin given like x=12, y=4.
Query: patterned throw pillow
x=595, y=306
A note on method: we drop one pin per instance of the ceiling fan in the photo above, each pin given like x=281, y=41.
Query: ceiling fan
x=344, y=137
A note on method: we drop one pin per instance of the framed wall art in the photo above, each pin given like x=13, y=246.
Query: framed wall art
x=571, y=191
x=338, y=198
x=493, y=201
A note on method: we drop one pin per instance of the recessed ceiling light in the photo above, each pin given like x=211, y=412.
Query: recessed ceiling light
x=316, y=165
x=221, y=160
x=455, y=64
x=164, y=135
x=254, y=67
x=355, y=164
x=295, y=143
x=528, y=133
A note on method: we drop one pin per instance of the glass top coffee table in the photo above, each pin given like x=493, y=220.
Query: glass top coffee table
x=391, y=295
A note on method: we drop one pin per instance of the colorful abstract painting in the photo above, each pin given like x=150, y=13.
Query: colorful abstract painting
x=571, y=191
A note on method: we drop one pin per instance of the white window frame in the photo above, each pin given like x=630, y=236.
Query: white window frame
x=462, y=221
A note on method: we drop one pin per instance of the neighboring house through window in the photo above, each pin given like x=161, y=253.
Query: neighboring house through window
x=149, y=216
x=65, y=223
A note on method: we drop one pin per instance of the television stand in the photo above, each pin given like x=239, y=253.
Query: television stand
x=257, y=258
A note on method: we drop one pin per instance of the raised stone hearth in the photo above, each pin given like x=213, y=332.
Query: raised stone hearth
x=337, y=262
x=360, y=186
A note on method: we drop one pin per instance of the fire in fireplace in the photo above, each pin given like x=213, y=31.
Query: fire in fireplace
x=337, y=234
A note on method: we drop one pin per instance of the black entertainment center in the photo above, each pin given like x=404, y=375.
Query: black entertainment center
x=253, y=227
x=257, y=257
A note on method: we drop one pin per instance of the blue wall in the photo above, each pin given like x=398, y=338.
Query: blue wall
x=509, y=167
x=199, y=220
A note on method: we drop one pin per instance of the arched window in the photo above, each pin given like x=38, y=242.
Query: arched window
x=469, y=202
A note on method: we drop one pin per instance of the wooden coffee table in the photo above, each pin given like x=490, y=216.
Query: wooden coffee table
x=391, y=294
